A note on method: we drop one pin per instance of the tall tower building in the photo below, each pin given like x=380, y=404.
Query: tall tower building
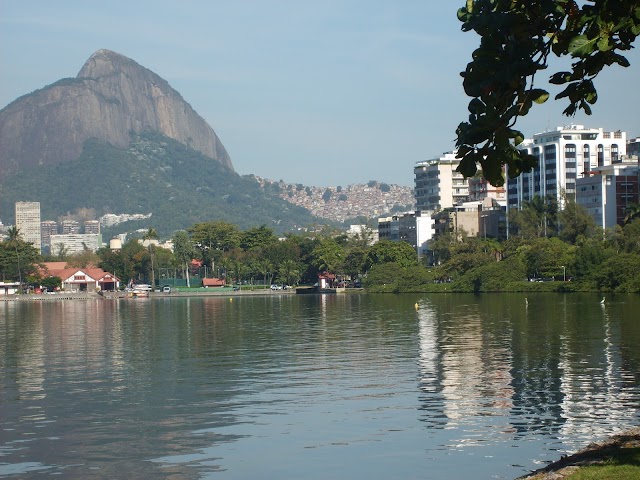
x=28, y=222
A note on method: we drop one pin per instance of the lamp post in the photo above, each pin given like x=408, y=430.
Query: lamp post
x=484, y=225
x=564, y=273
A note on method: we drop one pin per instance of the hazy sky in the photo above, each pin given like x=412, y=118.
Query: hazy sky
x=320, y=93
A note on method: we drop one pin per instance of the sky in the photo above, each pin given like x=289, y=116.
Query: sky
x=323, y=93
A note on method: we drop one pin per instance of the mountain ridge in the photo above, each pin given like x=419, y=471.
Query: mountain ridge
x=111, y=97
x=153, y=174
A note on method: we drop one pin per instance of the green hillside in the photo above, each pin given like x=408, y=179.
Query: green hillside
x=157, y=175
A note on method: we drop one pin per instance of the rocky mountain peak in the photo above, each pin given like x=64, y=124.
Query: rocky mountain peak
x=111, y=97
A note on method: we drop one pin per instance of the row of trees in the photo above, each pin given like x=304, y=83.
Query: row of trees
x=254, y=256
x=546, y=243
x=563, y=247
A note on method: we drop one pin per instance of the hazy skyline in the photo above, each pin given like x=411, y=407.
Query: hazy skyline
x=320, y=93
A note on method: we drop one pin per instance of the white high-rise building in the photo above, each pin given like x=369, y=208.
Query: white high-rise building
x=28, y=222
x=438, y=185
x=564, y=155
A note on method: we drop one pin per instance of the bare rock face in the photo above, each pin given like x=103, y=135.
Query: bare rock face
x=111, y=97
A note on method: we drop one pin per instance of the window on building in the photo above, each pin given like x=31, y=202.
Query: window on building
x=600, y=155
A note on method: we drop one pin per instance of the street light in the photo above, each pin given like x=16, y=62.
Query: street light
x=564, y=273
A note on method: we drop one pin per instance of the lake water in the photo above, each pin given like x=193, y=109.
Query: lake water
x=313, y=387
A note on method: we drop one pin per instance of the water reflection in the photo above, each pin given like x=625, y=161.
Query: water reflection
x=312, y=387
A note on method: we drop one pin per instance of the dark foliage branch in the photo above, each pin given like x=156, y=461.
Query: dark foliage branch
x=517, y=37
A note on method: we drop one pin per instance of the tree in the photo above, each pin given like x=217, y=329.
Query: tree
x=544, y=257
x=631, y=212
x=84, y=259
x=13, y=234
x=516, y=41
x=289, y=272
x=265, y=268
x=575, y=222
x=184, y=251
x=257, y=237
x=18, y=259
x=537, y=218
x=51, y=283
x=212, y=239
x=149, y=235
x=354, y=261
x=328, y=255
x=386, y=251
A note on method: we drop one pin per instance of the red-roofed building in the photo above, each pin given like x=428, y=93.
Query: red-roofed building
x=213, y=282
x=81, y=279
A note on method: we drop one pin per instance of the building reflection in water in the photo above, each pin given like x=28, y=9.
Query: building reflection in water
x=465, y=375
x=560, y=369
x=593, y=384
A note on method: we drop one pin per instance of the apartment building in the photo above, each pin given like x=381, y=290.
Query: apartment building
x=28, y=222
x=70, y=226
x=92, y=226
x=47, y=228
x=438, y=185
x=607, y=192
x=414, y=228
x=564, y=155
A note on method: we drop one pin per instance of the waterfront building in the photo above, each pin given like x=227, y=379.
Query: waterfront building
x=564, y=155
x=607, y=191
x=28, y=222
x=75, y=243
x=438, y=185
x=81, y=279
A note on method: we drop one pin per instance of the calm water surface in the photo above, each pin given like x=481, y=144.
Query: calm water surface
x=313, y=387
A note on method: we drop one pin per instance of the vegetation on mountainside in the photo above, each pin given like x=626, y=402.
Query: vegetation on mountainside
x=157, y=175
x=517, y=39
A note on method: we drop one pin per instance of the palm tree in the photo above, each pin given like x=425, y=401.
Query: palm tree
x=288, y=272
x=631, y=212
x=14, y=234
x=265, y=267
x=149, y=235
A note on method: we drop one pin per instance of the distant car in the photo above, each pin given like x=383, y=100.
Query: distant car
x=166, y=289
x=276, y=287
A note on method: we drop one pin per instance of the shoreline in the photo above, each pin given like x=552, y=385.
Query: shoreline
x=42, y=297
x=596, y=453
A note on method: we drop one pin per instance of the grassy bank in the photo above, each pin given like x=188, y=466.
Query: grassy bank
x=617, y=458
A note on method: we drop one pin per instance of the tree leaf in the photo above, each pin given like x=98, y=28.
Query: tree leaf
x=581, y=46
x=539, y=95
